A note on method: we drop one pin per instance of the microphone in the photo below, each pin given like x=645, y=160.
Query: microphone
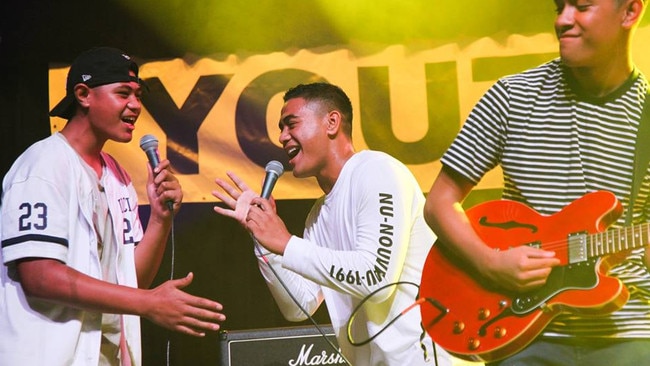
x=274, y=170
x=149, y=144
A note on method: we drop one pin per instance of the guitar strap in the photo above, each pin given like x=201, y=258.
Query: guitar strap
x=641, y=156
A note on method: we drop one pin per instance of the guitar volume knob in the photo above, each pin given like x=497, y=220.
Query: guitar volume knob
x=483, y=313
x=500, y=332
x=473, y=344
x=459, y=327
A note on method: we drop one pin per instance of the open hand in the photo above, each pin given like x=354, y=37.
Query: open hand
x=179, y=311
x=238, y=198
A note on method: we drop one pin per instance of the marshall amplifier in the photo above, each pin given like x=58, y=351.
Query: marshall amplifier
x=290, y=346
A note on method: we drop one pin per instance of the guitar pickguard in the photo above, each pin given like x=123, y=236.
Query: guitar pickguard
x=578, y=276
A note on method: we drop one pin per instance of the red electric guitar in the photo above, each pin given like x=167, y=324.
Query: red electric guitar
x=475, y=322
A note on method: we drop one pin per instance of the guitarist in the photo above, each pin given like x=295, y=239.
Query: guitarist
x=558, y=131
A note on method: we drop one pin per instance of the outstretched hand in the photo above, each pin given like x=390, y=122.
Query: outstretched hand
x=238, y=198
x=177, y=310
x=255, y=214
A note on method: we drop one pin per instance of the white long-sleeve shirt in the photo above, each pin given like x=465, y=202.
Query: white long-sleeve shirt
x=368, y=232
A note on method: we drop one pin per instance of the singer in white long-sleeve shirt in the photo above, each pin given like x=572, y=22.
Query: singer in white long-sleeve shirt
x=365, y=233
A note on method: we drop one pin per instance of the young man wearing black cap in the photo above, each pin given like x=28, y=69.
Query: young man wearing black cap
x=77, y=263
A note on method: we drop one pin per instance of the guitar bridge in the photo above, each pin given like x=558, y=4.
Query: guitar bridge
x=577, y=247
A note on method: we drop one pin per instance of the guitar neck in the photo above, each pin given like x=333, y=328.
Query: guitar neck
x=617, y=240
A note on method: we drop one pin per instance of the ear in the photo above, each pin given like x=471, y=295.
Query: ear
x=633, y=12
x=333, y=123
x=81, y=92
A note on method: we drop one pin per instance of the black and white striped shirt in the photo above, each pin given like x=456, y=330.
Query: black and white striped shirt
x=554, y=144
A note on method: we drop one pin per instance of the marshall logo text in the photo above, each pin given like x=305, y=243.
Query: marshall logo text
x=307, y=359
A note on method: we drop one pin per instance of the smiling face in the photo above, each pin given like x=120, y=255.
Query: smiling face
x=113, y=109
x=304, y=137
x=590, y=31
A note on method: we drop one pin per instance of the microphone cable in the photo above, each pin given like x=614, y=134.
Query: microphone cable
x=172, y=241
x=149, y=144
x=274, y=170
x=313, y=321
x=418, y=302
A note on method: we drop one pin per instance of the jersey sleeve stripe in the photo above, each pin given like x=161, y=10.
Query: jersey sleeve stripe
x=34, y=237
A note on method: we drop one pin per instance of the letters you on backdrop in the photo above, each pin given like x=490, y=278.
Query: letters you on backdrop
x=221, y=113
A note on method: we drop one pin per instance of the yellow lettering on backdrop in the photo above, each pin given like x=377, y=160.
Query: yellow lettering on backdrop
x=218, y=114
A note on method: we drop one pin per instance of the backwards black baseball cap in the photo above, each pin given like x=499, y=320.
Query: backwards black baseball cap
x=95, y=67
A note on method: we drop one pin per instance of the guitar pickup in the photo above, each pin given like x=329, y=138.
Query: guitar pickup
x=577, y=247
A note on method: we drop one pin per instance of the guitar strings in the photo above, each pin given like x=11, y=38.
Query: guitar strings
x=596, y=240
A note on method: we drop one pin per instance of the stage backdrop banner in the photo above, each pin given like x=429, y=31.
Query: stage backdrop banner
x=220, y=113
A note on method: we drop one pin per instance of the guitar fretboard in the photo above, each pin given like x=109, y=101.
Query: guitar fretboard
x=617, y=240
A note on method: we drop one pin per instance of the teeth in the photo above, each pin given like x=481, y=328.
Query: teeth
x=293, y=151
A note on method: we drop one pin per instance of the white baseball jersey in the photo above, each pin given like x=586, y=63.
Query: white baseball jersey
x=47, y=207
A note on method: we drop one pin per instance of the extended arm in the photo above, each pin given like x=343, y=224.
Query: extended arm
x=166, y=305
x=362, y=241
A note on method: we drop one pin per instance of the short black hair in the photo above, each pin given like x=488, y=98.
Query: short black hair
x=329, y=95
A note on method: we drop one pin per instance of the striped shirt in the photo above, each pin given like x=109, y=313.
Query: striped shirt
x=555, y=144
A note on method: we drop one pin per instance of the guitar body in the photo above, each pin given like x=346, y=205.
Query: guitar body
x=476, y=322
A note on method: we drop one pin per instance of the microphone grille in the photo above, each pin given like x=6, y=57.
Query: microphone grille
x=148, y=141
x=275, y=166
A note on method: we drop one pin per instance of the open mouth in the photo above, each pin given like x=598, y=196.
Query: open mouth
x=292, y=151
x=129, y=120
